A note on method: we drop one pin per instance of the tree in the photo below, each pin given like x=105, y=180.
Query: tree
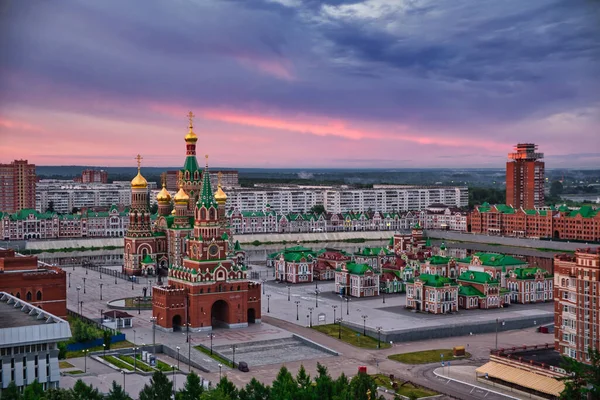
x=556, y=188
x=318, y=209
x=107, y=339
x=81, y=391
x=255, y=390
x=50, y=207
x=160, y=388
x=228, y=388
x=74, y=210
x=58, y=394
x=35, y=391
x=305, y=389
x=154, y=208
x=117, y=393
x=216, y=394
x=362, y=384
x=284, y=386
x=192, y=389
x=340, y=388
x=582, y=379
x=324, y=388
x=11, y=392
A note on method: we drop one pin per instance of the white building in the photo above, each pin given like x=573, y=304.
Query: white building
x=382, y=198
x=29, y=339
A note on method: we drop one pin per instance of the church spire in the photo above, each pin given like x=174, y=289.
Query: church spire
x=206, y=196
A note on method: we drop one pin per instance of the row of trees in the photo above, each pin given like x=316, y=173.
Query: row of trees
x=285, y=387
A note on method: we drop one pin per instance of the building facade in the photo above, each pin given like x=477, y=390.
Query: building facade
x=576, y=303
x=328, y=262
x=432, y=293
x=29, y=338
x=17, y=186
x=357, y=280
x=557, y=223
x=295, y=265
x=480, y=290
x=525, y=177
x=530, y=285
x=43, y=286
x=93, y=176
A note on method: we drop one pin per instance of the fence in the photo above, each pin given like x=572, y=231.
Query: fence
x=90, y=321
x=109, y=272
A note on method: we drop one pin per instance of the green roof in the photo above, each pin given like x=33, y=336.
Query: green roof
x=584, y=211
x=469, y=291
x=206, y=198
x=504, y=209
x=147, y=260
x=358, y=269
x=373, y=251
x=477, y=277
x=438, y=260
x=434, y=280
x=190, y=165
x=529, y=273
x=237, y=246
x=494, y=260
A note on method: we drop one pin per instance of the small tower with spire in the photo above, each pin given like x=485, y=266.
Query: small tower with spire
x=221, y=199
x=190, y=176
x=164, y=200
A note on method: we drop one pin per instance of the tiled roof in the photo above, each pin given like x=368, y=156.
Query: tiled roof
x=439, y=260
x=469, y=291
x=358, y=269
x=529, y=273
x=494, y=260
x=478, y=277
x=434, y=280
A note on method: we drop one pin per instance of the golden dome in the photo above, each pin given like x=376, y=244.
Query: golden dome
x=181, y=197
x=220, y=195
x=139, y=182
x=173, y=212
x=163, y=196
x=191, y=136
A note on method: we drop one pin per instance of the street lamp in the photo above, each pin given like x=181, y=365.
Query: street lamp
x=233, y=357
x=334, y=308
x=347, y=305
x=379, y=328
x=69, y=280
x=340, y=328
x=263, y=285
x=172, y=366
x=153, y=319
x=220, y=366
x=101, y=315
x=383, y=294
x=364, y=317
x=211, y=336
x=497, y=323
x=100, y=273
x=101, y=291
x=310, y=309
x=317, y=298
x=123, y=371
x=104, y=349
x=297, y=310
x=85, y=353
x=268, y=303
x=178, y=348
x=78, y=289
x=134, y=358
x=134, y=336
x=84, y=283
x=139, y=301
x=81, y=305
x=288, y=288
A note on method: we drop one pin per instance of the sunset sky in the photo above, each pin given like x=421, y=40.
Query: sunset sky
x=300, y=83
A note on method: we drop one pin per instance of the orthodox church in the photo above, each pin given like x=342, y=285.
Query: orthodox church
x=207, y=282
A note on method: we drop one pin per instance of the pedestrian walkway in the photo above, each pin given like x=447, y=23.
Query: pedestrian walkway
x=465, y=374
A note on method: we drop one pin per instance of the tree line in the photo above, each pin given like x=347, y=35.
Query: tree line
x=284, y=387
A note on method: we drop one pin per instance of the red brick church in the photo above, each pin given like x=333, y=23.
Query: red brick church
x=207, y=281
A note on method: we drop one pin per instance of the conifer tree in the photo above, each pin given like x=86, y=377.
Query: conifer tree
x=117, y=393
x=192, y=389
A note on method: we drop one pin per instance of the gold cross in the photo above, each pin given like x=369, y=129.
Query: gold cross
x=219, y=176
x=206, y=156
x=139, y=160
x=191, y=118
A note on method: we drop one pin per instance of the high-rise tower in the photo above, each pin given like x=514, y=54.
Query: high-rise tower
x=17, y=186
x=190, y=176
x=525, y=177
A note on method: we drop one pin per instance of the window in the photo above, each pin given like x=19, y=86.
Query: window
x=38, y=296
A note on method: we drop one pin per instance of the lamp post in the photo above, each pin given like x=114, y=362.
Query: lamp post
x=310, y=309
x=379, y=328
x=69, y=280
x=99, y=270
x=178, y=348
x=85, y=352
x=233, y=356
x=115, y=279
x=288, y=288
x=263, y=285
x=317, y=298
x=297, y=310
x=104, y=349
x=84, y=278
x=123, y=371
x=134, y=358
x=139, y=301
x=101, y=291
x=268, y=303
x=383, y=294
x=73, y=263
x=153, y=319
x=173, y=367
x=78, y=289
x=347, y=305
x=211, y=336
x=189, y=340
x=364, y=317
x=220, y=366
x=340, y=328
x=498, y=322
x=134, y=336
x=81, y=306
x=132, y=283
x=101, y=315
x=334, y=308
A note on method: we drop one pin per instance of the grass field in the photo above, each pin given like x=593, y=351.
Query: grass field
x=214, y=356
x=119, y=345
x=350, y=336
x=118, y=363
x=426, y=357
x=162, y=366
x=74, y=372
x=138, y=365
x=405, y=389
x=65, y=364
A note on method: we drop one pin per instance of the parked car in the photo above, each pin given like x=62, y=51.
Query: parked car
x=243, y=366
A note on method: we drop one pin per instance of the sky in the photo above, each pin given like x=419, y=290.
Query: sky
x=300, y=83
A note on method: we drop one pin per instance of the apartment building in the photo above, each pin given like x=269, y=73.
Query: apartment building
x=17, y=186
x=576, y=303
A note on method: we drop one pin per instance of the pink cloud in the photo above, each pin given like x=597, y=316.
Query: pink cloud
x=19, y=125
x=280, y=68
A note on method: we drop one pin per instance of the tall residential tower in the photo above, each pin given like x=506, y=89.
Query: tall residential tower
x=525, y=177
x=17, y=186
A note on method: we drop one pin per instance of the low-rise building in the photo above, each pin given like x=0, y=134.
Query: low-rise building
x=440, y=265
x=357, y=280
x=375, y=257
x=295, y=265
x=529, y=285
x=494, y=264
x=480, y=290
x=432, y=293
x=328, y=262
x=29, y=338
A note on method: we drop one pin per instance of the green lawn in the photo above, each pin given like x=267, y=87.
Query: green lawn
x=426, y=357
x=118, y=363
x=403, y=388
x=145, y=304
x=214, y=356
x=139, y=364
x=74, y=372
x=350, y=336
x=65, y=364
x=119, y=345
x=162, y=366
